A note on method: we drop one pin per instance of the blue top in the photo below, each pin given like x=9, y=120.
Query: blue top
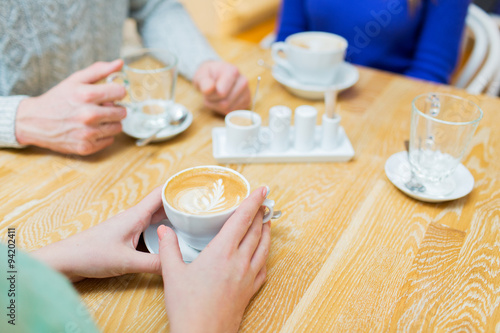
x=385, y=34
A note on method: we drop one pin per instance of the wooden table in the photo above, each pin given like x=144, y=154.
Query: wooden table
x=351, y=252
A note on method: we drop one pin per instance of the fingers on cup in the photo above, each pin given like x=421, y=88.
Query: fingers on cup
x=238, y=224
x=170, y=253
x=259, y=279
x=100, y=93
x=141, y=262
x=95, y=115
x=262, y=252
x=97, y=71
x=252, y=238
x=158, y=216
x=108, y=130
x=112, y=113
x=93, y=134
x=150, y=208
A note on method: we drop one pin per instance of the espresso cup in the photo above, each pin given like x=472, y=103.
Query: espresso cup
x=242, y=132
x=312, y=57
x=198, y=201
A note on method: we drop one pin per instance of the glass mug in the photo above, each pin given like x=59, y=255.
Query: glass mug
x=150, y=77
x=442, y=127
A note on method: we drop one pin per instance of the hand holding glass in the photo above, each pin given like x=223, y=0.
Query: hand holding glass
x=150, y=76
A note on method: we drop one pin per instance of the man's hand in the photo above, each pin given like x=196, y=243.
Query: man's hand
x=76, y=116
x=222, y=86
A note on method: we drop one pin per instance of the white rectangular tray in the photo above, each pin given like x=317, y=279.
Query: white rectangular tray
x=342, y=153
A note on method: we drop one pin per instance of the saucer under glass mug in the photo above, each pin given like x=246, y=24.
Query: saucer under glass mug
x=442, y=127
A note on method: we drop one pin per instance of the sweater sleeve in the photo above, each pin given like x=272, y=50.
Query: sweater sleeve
x=292, y=18
x=439, y=42
x=166, y=24
x=46, y=300
x=8, y=110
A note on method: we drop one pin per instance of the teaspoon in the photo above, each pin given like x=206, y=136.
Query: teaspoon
x=177, y=117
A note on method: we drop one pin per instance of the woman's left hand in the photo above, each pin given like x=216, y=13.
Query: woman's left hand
x=109, y=248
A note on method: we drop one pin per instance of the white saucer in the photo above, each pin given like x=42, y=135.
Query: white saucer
x=132, y=127
x=397, y=169
x=152, y=242
x=348, y=75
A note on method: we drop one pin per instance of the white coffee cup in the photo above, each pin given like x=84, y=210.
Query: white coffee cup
x=197, y=230
x=312, y=57
x=242, y=137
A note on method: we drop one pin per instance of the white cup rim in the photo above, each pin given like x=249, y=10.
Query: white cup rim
x=204, y=167
x=345, y=44
x=243, y=113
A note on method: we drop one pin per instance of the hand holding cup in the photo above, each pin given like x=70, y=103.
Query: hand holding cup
x=198, y=201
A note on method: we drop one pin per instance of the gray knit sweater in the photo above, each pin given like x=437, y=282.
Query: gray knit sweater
x=44, y=41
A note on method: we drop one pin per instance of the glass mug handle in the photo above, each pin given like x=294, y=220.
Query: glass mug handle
x=120, y=75
x=269, y=204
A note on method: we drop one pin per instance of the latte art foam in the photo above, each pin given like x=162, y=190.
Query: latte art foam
x=205, y=191
x=198, y=200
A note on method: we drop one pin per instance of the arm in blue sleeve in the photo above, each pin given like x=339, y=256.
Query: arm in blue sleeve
x=439, y=42
x=292, y=18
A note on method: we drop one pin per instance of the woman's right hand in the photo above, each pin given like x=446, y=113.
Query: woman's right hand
x=76, y=116
x=211, y=293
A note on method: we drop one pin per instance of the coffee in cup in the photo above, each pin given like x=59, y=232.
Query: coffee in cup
x=242, y=132
x=205, y=191
x=241, y=121
x=198, y=201
x=312, y=57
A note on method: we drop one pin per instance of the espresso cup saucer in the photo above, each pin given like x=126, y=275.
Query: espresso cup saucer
x=347, y=76
x=132, y=127
x=152, y=242
x=398, y=170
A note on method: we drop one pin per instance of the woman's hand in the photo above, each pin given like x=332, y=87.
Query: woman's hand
x=76, y=116
x=108, y=249
x=211, y=293
x=222, y=86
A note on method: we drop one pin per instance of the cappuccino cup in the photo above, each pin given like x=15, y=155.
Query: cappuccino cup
x=198, y=201
x=312, y=57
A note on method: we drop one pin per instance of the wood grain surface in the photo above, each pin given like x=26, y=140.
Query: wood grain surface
x=351, y=252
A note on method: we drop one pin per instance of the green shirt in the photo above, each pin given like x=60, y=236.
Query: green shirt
x=35, y=298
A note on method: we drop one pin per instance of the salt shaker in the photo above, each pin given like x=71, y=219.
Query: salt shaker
x=305, y=124
x=280, y=118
